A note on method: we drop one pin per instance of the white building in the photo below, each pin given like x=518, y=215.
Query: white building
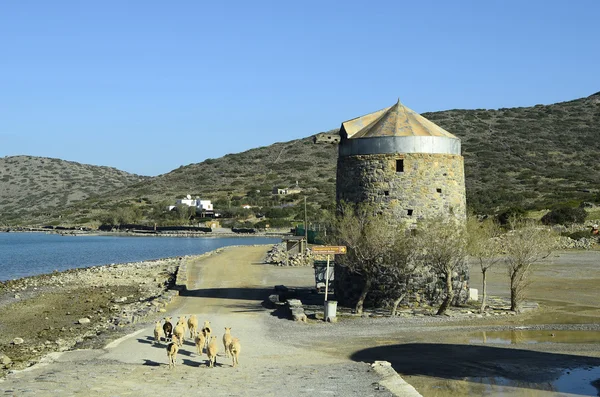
x=201, y=205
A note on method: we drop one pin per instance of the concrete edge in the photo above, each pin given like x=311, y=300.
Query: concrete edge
x=392, y=381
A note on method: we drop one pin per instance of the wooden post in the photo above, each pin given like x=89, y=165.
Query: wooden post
x=327, y=279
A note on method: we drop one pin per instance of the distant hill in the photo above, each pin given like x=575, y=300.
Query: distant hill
x=31, y=186
x=533, y=157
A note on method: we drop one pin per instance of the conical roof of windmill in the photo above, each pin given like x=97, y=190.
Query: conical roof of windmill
x=396, y=120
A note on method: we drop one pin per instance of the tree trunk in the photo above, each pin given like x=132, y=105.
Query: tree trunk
x=514, y=302
x=514, y=291
x=396, y=303
x=483, y=291
x=363, y=296
x=449, y=294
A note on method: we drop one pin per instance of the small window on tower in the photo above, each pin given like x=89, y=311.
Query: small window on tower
x=400, y=165
x=409, y=212
x=386, y=192
x=439, y=190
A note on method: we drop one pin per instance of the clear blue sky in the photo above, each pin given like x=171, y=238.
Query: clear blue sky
x=147, y=86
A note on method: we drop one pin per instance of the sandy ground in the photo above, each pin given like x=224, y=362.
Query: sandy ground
x=529, y=354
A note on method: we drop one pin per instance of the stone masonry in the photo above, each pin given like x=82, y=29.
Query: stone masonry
x=429, y=185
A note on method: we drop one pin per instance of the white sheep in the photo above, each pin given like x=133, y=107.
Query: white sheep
x=172, y=350
x=212, y=350
x=234, y=348
x=227, y=340
x=193, y=325
x=158, y=331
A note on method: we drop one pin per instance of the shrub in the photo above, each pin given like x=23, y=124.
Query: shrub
x=564, y=215
x=516, y=213
x=579, y=234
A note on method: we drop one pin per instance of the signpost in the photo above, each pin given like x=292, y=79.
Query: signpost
x=328, y=250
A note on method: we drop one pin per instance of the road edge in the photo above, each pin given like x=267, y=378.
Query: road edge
x=392, y=381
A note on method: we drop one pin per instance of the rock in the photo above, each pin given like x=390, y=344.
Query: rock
x=274, y=300
x=84, y=320
x=292, y=303
x=5, y=361
x=17, y=296
x=120, y=300
x=17, y=341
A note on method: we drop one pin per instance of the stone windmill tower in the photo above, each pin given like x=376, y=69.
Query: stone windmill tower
x=407, y=167
x=401, y=162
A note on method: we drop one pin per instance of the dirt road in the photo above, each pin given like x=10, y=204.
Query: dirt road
x=554, y=351
x=226, y=289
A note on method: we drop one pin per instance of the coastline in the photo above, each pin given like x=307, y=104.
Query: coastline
x=83, y=307
x=217, y=233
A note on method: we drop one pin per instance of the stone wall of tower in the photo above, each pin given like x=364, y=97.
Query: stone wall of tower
x=405, y=187
x=409, y=186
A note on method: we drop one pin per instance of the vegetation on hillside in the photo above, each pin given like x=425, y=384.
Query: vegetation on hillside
x=38, y=187
x=530, y=158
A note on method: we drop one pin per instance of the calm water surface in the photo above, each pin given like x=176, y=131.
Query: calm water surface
x=29, y=254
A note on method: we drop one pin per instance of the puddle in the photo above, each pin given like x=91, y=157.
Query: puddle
x=570, y=382
x=520, y=336
x=582, y=381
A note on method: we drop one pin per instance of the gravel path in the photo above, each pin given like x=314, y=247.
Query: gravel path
x=226, y=289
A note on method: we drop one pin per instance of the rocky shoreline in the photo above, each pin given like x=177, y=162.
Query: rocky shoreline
x=66, y=310
x=217, y=233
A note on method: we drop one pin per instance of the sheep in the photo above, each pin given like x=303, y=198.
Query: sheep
x=193, y=325
x=206, y=330
x=181, y=321
x=168, y=329
x=227, y=340
x=172, y=350
x=200, y=342
x=211, y=351
x=179, y=333
x=234, y=349
x=158, y=331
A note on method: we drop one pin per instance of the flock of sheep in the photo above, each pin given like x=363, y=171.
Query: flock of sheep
x=175, y=337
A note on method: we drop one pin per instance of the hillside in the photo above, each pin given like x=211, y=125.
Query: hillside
x=533, y=157
x=30, y=186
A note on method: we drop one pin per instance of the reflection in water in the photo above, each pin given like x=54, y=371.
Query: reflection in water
x=583, y=381
x=577, y=381
x=517, y=336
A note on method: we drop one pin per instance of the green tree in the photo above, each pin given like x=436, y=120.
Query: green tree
x=564, y=216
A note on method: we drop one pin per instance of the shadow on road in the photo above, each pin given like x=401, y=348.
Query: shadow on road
x=245, y=293
x=151, y=363
x=482, y=364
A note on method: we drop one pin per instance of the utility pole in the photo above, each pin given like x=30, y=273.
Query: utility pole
x=305, y=226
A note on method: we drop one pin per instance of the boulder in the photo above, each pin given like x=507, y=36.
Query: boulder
x=5, y=361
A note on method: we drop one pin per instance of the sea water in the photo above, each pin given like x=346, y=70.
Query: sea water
x=29, y=254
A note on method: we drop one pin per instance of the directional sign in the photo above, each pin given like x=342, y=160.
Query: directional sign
x=329, y=250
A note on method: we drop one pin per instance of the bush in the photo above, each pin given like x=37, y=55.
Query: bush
x=514, y=212
x=578, y=235
x=564, y=216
